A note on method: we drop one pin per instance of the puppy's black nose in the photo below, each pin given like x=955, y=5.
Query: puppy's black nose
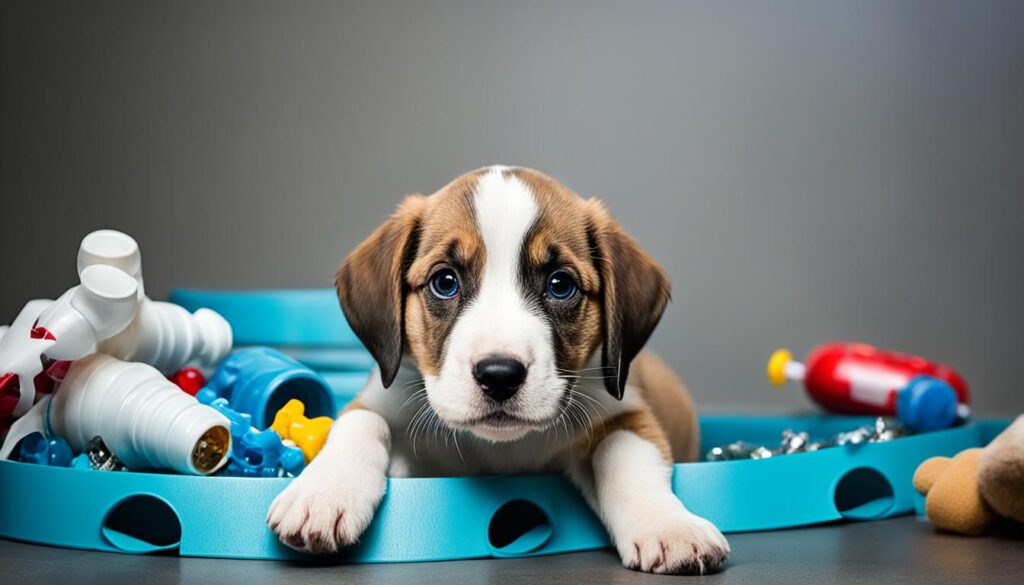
x=499, y=377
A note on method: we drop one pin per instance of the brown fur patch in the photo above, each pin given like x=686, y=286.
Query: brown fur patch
x=670, y=402
x=559, y=240
x=371, y=288
x=562, y=223
x=355, y=404
x=631, y=287
x=635, y=291
x=448, y=239
x=640, y=422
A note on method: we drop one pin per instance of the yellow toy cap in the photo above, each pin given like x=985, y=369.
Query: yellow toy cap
x=777, y=366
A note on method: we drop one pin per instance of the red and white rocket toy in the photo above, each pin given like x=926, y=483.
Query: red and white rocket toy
x=856, y=378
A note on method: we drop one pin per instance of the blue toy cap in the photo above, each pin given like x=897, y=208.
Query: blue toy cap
x=927, y=404
x=259, y=381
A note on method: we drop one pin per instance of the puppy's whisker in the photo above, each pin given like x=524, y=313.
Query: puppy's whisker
x=591, y=400
x=589, y=378
x=595, y=368
x=437, y=427
x=420, y=394
x=455, y=439
x=410, y=430
x=583, y=419
x=583, y=426
x=418, y=424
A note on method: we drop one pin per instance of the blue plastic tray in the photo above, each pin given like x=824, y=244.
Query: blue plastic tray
x=450, y=518
x=454, y=518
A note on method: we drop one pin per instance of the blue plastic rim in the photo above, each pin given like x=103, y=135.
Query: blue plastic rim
x=297, y=317
x=224, y=516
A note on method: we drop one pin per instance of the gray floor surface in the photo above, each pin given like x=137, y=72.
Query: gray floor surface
x=900, y=550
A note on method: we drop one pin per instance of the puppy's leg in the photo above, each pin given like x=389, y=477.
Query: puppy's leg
x=628, y=482
x=333, y=501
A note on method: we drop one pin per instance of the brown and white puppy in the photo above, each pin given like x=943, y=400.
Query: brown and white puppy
x=505, y=313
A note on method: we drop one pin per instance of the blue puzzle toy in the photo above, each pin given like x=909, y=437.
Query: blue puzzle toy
x=259, y=381
x=255, y=453
x=424, y=519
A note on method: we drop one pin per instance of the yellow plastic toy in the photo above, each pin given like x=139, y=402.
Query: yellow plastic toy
x=308, y=434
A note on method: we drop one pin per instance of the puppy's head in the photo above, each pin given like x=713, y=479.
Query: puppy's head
x=501, y=286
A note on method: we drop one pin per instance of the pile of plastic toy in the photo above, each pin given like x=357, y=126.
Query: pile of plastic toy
x=104, y=378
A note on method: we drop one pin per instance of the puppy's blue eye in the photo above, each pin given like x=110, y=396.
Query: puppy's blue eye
x=444, y=283
x=561, y=286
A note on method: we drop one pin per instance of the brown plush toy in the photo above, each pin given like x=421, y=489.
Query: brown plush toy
x=968, y=493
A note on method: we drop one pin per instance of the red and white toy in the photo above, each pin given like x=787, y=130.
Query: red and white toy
x=107, y=313
x=856, y=378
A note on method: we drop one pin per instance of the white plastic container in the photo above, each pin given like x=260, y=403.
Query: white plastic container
x=144, y=419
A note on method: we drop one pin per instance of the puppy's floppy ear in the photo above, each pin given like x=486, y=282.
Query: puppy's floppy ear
x=371, y=285
x=634, y=292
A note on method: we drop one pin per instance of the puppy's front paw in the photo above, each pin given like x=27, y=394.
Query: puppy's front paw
x=321, y=512
x=670, y=539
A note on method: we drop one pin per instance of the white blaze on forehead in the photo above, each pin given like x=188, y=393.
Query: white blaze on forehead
x=499, y=319
x=505, y=211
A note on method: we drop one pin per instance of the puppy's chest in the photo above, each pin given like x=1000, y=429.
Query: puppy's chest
x=459, y=454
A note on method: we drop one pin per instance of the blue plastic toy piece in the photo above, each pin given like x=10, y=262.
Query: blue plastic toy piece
x=255, y=453
x=81, y=461
x=308, y=325
x=36, y=448
x=259, y=381
x=455, y=518
x=927, y=404
x=308, y=317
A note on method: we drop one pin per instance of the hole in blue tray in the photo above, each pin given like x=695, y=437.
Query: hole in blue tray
x=863, y=494
x=142, y=524
x=518, y=527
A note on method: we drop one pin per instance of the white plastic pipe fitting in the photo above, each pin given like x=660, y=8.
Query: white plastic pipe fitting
x=162, y=335
x=111, y=248
x=101, y=306
x=168, y=337
x=144, y=419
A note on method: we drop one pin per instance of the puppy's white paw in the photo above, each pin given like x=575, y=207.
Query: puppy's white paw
x=666, y=538
x=330, y=505
x=324, y=512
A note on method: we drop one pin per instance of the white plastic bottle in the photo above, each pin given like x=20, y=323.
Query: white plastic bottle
x=162, y=335
x=144, y=419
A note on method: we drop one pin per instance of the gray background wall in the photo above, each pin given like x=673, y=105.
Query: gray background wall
x=804, y=170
